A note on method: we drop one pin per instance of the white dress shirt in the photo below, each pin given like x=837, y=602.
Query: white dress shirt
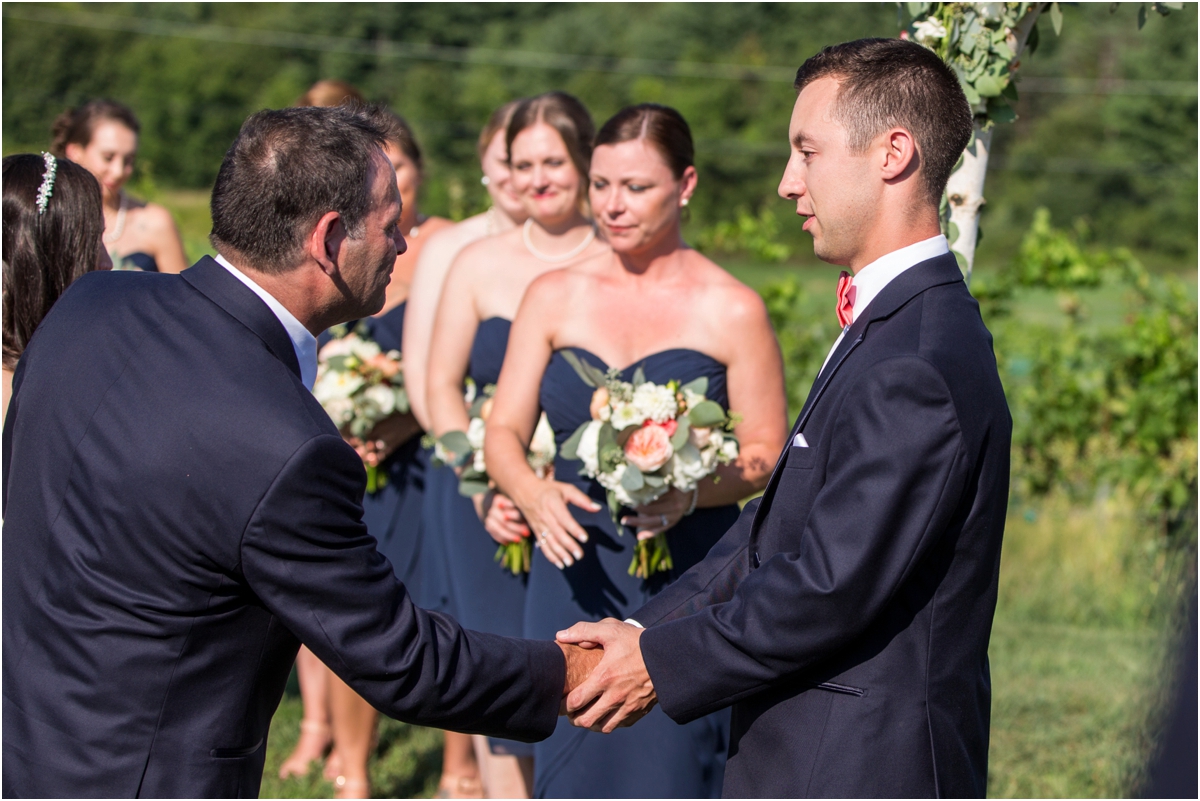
x=303, y=342
x=870, y=280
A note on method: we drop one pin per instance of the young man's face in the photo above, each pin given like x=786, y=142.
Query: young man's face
x=838, y=191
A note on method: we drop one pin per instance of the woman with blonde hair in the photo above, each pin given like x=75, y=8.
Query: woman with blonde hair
x=548, y=144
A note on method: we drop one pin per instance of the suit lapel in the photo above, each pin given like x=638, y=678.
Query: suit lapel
x=910, y=283
x=222, y=288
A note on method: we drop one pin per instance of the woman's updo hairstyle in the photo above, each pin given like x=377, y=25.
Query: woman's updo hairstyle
x=75, y=126
x=498, y=121
x=44, y=252
x=661, y=126
x=396, y=130
x=328, y=93
x=565, y=114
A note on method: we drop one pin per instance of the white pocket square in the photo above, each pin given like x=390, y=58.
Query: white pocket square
x=799, y=441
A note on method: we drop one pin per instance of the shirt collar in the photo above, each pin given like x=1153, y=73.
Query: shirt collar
x=870, y=280
x=303, y=342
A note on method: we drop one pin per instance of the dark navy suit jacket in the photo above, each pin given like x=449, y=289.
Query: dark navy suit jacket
x=846, y=615
x=180, y=514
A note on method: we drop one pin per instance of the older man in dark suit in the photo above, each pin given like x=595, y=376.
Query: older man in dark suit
x=180, y=513
x=846, y=615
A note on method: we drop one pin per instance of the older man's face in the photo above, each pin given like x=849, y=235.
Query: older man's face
x=367, y=260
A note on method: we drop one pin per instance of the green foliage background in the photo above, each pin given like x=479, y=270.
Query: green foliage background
x=1125, y=158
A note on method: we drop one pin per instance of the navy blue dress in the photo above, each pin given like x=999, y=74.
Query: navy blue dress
x=655, y=758
x=483, y=596
x=393, y=514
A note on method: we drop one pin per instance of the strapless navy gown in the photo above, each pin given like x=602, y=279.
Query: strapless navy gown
x=483, y=596
x=655, y=758
x=394, y=513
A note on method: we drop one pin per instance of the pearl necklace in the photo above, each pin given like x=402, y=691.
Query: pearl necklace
x=119, y=226
x=570, y=254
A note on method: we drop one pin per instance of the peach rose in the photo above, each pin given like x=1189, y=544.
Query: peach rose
x=649, y=448
x=599, y=403
x=387, y=367
x=485, y=409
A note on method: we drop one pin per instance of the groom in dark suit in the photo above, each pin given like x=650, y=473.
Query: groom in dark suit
x=846, y=615
x=180, y=513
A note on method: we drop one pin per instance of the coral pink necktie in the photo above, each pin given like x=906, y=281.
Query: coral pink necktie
x=845, y=299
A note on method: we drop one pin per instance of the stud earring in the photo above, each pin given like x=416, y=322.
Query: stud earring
x=485, y=180
x=683, y=202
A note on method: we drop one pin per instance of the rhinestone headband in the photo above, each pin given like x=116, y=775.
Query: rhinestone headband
x=47, y=187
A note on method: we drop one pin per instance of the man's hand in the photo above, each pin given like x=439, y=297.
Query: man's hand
x=619, y=691
x=580, y=664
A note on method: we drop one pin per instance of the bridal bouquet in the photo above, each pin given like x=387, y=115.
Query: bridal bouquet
x=358, y=384
x=464, y=449
x=645, y=438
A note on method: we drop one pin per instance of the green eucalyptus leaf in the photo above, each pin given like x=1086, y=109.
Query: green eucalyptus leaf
x=632, y=479
x=457, y=443
x=699, y=386
x=639, y=377
x=680, y=437
x=706, y=414
x=468, y=488
x=570, y=448
x=653, y=480
x=988, y=86
x=586, y=372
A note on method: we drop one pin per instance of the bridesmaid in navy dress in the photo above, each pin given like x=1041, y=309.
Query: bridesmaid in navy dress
x=548, y=141
x=655, y=304
x=102, y=136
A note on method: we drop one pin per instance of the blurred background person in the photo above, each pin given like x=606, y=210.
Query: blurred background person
x=460, y=769
x=52, y=235
x=330, y=92
x=651, y=303
x=102, y=136
x=548, y=143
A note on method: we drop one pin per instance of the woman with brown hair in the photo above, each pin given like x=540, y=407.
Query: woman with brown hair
x=102, y=136
x=651, y=306
x=52, y=235
x=548, y=142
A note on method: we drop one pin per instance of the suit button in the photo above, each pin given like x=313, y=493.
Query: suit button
x=754, y=560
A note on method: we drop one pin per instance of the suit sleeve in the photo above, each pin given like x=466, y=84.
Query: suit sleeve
x=895, y=471
x=711, y=580
x=307, y=555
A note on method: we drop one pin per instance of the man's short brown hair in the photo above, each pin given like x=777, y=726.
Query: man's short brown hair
x=892, y=83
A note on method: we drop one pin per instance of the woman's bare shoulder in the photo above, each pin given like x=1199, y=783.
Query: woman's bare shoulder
x=151, y=215
x=727, y=298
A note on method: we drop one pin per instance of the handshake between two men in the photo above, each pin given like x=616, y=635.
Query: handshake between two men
x=607, y=684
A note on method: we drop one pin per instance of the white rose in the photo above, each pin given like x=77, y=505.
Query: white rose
x=929, y=31
x=475, y=430
x=655, y=402
x=688, y=467
x=700, y=437
x=729, y=449
x=479, y=464
x=690, y=398
x=334, y=385
x=382, y=396
x=626, y=415
x=588, y=451
x=364, y=349
x=542, y=448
